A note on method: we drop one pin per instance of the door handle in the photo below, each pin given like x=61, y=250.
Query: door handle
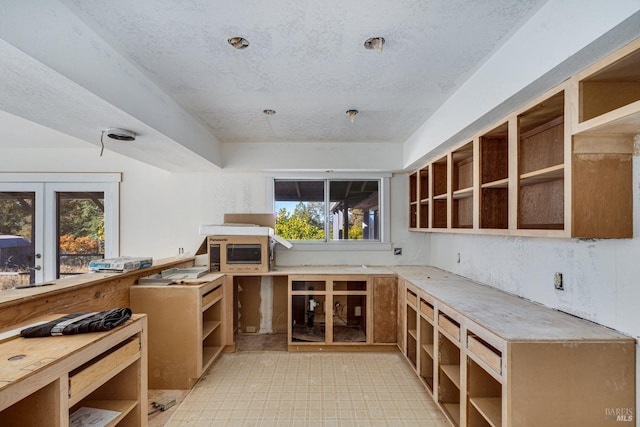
x=37, y=267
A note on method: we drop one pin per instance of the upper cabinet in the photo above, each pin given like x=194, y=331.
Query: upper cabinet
x=561, y=166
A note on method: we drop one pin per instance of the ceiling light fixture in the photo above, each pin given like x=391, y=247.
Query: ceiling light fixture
x=374, y=43
x=117, y=134
x=352, y=114
x=238, y=42
x=121, y=134
x=269, y=112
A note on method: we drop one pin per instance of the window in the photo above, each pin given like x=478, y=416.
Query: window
x=52, y=225
x=314, y=210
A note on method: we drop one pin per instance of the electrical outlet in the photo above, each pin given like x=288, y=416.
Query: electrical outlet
x=250, y=328
x=397, y=251
x=557, y=282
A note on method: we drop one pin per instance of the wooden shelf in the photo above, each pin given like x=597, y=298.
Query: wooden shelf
x=453, y=372
x=122, y=406
x=440, y=197
x=501, y=183
x=428, y=348
x=209, y=326
x=490, y=408
x=624, y=120
x=453, y=410
x=209, y=355
x=463, y=193
x=412, y=333
x=551, y=173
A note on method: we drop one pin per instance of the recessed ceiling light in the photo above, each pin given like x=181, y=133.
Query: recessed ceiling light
x=121, y=134
x=352, y=114
x=374, y=43
x=269, y=112
x=238, y=42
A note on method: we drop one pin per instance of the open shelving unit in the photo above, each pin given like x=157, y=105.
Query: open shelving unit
x=502, y=361
x=560, y=166
x=411, y=350
x=494, y=178
x=449, y=387
x=427, y=344
x=541, y=165
x=423, y=219
x=462, y=192
x=439, y=193
x=413, y=200
x=182, y=348
x=56, y=376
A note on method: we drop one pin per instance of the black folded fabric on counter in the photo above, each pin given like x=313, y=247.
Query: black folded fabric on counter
x=79, y=323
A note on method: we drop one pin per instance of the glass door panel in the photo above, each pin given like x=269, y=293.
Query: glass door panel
x=80, y=231
x=17, y=231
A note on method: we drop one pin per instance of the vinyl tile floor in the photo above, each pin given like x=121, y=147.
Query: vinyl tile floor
x=275, y=388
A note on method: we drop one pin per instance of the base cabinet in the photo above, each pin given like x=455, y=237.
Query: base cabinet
x=44, y=381
x=341, y=311
x=493, y=359
x=186, y=332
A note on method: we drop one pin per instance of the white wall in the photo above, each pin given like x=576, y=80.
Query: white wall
x=161, y=211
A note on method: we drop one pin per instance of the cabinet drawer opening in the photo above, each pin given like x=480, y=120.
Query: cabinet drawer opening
x=100, y=369
x=486, y=352
x=427, y=309
x=449, y=325
x=412, y=298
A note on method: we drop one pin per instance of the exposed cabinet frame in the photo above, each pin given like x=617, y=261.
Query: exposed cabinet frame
x=560, y=166
x=489, y=358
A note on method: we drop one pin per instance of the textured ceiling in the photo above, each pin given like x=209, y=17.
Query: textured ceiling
x=306, y=60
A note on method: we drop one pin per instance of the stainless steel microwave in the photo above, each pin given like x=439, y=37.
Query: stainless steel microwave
x=239, y=254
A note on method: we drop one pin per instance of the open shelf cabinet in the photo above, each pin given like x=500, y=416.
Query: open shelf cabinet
x=462, y=183
x=342, y=312
x=560, y=166
x=494, y=178
x=182, y=348
x=541, y=165
x=411, y=339
x=440, y=194
x=504, y=361
x=57, y=376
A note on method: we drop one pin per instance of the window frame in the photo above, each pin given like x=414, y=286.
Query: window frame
x=383, y=179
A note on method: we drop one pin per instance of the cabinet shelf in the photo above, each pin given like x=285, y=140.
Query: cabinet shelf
x=501, y=183
x=463, y=193
x=122, y=406
x=453, y=410
x=209, y=354
x=208, y=326
x=428, y=348
x=624, y=120
x=551, y=173
x=453, y=372
x=440, y=197
x=412, y=333
x=490, y=408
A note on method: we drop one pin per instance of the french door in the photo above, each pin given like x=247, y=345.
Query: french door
x=50, y=230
